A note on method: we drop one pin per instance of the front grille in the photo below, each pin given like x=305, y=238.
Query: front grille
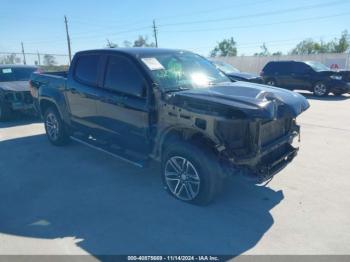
x=273, y=130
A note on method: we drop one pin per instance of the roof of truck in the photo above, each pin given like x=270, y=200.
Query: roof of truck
x=135, y=51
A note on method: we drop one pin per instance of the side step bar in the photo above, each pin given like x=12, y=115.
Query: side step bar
x=123, y=157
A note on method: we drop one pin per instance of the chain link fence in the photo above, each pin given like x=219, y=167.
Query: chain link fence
x=39, y=59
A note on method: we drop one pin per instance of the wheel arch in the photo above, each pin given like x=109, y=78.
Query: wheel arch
x=184, y=134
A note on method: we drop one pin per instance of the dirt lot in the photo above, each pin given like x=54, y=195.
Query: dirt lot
x=75, y=200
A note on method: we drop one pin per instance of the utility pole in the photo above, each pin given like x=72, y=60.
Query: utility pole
x=68, y=40
x=39, y=63
x=155, y=32
x=24, y=55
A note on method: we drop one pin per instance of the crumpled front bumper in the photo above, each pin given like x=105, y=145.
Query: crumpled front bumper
x=19, y=101
x=268, y=161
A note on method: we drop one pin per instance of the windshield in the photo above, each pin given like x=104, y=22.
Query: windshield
x=317, y=66
x=10, y=74
x=183, y=70
x=226, y=68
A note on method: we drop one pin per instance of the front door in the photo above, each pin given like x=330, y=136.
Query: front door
x=122, y=106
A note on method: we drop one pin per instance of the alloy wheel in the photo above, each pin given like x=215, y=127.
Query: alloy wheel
x=320, y=89
x=52, y=126
x=182, y=178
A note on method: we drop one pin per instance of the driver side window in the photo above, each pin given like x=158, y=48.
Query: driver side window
x=124, y=77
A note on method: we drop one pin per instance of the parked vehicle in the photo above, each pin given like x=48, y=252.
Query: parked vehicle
x=14, y=89
x=235, y=75
x=175, y=107
x=312, y=76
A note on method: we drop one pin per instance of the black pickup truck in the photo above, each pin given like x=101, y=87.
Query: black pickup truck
x=175, y=107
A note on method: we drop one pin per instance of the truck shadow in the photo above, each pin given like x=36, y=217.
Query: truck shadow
x=114, y=208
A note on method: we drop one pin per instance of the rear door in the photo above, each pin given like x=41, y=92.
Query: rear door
x=300, y=76
x=122, y=107
x=82, y=90
x=283, y=74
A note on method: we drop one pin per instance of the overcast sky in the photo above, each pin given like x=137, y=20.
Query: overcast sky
x=195, y=25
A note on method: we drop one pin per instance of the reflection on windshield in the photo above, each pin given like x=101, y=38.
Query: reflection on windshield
x=184, y=70
x=226, y=68
x=317, y=66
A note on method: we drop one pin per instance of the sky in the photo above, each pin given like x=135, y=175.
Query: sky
x=195, y=25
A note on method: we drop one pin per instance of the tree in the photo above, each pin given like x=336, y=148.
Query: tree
x=142, y=41
x=309, y=46
x=227, y=47
x=343, y=44
x=127, y=43
x=10, y=59
x=278, y=53
x=49, y=60
x=264, y=51
x=111, y=44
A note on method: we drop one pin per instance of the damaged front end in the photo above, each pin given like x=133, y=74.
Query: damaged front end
x=260, y=148
x=18, y=100
x=254, y=125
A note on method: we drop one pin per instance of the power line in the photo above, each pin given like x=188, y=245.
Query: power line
x=20, y=53
x=257, y=25
x=268, y=13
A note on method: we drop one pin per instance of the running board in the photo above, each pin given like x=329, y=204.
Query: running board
x=119, y=155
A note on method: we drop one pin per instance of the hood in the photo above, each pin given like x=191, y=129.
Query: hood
x=15, y=86
x=243, y=75
x=253, y=100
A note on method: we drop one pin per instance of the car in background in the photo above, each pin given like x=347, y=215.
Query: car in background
x=235, y=75
x=14, y=89
x=310, y=75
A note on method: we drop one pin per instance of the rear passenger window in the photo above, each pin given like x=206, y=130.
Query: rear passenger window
x=86, y=70
x=300, y=68
x=123, y=76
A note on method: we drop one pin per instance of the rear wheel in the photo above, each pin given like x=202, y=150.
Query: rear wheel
x=5, y=111
x=320, y=89
x=190, y=174
x=54, y=126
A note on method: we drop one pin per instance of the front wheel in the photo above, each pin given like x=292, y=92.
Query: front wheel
x=320, y=89
x=55, y=129
x=190, y=174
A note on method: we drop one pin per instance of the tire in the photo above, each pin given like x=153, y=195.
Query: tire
x=5, y=111
x=320, y=89
x=271, y=82
x=190, y=174
x=55, y=129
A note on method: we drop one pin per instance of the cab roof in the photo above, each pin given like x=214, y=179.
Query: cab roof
x=134, y=51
